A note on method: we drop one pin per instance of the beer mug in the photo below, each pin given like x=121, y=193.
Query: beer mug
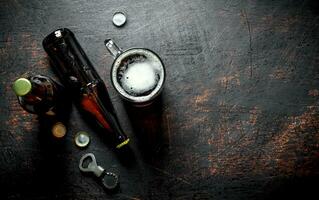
x=137, y=74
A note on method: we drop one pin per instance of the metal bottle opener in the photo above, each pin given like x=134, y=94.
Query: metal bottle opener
x=99, y=172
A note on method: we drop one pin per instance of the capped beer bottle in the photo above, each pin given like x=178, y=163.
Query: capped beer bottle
x=41, y=95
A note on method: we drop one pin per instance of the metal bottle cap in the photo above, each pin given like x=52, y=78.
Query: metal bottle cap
x=58, y=130
x=82, y=139
x=119, y=19
x=22, y=86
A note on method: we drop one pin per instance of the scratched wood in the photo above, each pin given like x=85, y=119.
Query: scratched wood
x=238, y=118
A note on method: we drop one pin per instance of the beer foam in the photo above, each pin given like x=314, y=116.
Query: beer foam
x=139, y=78
x=138, y=74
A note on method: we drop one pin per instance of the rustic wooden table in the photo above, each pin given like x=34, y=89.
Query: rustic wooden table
x=239, y=115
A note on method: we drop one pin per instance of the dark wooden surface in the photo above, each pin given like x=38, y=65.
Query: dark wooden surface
x=239, y=115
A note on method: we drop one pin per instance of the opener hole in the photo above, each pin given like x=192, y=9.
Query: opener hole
x=86, y=162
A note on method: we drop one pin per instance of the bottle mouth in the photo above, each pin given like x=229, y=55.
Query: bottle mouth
x=22, y=86
x=123, y=143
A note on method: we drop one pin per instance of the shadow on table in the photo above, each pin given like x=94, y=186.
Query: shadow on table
x=50, y=171
x=293, y=187
x=148, y=128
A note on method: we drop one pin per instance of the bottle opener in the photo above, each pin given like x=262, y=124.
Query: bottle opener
x=99, y=172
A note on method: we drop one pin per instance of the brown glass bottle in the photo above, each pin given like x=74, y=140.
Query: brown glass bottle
x=84, y=84
x=41, y=95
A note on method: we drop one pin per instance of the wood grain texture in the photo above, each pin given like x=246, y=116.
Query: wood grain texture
x=238, y=118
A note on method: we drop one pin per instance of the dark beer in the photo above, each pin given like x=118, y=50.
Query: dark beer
x=138, y=75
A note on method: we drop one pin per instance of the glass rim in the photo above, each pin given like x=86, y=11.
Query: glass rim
x=141, y=99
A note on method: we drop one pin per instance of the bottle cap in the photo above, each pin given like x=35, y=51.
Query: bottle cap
x=22, y=86
x=58, y=130
x=119, y=19
x=82, y=139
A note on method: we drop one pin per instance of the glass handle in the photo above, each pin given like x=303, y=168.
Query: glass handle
x=114, y=50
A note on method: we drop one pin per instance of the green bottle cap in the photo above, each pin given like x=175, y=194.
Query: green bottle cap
x=22, y=86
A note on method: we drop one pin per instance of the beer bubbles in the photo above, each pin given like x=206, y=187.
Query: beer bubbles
x=139, y=79
x=139, y=73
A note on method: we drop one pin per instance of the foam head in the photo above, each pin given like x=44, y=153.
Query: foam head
x=139, y=74
x=139, y=79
